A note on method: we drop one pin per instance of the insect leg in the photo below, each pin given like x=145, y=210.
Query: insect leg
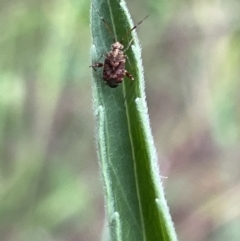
x=127, y=58
x=96, y=65
x=129, y=75
x=130, y=43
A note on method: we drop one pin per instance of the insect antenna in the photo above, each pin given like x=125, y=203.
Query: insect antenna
x=105, y=23
x=135, y=26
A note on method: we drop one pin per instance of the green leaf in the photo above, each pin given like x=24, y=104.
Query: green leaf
x=135, y=201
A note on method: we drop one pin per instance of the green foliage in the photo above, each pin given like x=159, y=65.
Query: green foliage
x=136, y=206
x=49, y=183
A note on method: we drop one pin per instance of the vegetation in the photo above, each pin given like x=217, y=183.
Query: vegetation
x=50, y=186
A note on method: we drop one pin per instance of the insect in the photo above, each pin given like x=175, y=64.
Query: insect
x=114, y=63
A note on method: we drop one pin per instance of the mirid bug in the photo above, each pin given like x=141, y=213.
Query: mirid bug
x=114, y=63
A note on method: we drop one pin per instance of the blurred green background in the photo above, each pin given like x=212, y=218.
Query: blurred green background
x=50, y=186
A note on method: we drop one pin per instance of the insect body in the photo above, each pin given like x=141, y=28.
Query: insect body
x=114, y=64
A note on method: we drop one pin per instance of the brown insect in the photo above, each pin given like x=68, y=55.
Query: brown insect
x=114, y=64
